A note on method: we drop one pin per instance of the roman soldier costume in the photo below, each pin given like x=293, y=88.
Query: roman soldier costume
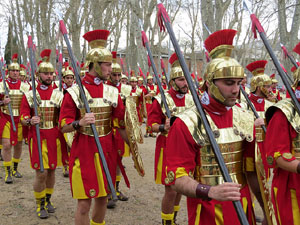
x=16, y=91
x=190, y=154
x=54, y=148
x=87, y=178
x=177, y=103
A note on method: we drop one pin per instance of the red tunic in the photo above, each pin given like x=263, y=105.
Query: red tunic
x=5, y=118
x=279, y=141
x=156, y=116
x=49, y=136
x=183, y=152
x=275, y=91
x=70, y=113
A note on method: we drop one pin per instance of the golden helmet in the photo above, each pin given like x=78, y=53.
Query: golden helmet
x=14, y=65
x=67, y=70
x=124, y=76
x=45, y=66
x=133, y=78
x=116, y=68
x=176, y=70
x=149, y=76
x=22, y=70
x=163, y=77
x=274, y=81
x=98, y=53
x=259, y=78
x=219, y=45
x=140, y=79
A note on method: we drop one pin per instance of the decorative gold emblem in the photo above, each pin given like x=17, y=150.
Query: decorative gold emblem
x=52, y=165
x=36, y=165
x=287, y=155
x=92, y=192
x=270, y=160
x=170, y=177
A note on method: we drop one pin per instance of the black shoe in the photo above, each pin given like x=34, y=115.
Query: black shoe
x=42, y=213
x=8, y=179
x=121, y=196
x=111, y=204
x=16, y=174
x=50, y=208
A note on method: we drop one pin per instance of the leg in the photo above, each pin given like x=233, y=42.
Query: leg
x=82, y=212
x=167, y=206
x=39, y=187
x=99, y=210
x=120, y=195
x=50, y=181
x=16, y=159
x=6, y=154
x=176, y=206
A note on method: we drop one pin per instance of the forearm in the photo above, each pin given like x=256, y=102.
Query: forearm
x=291, y=166
x=67, y=128
x=186, y=185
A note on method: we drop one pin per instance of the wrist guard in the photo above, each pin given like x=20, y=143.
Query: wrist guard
x=202, y=191
x=75, y=124
x=161, y=128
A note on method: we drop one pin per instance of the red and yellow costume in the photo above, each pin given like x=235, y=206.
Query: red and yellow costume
x=285, y=185
x=17, y=89
x=54, y=149
x=177, y=103
x=87, y=178
x=189, y=155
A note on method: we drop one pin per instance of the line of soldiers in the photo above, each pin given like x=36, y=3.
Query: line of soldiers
x=184, y=159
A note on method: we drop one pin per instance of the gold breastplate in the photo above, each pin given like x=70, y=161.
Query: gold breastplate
x=101, y=107
x=47, y=109
x=207, y=169
x=16, y=96
x=230, y=141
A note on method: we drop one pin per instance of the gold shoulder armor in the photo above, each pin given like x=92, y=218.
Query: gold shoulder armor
x=57, y=97
x=243, y=122
x=74, y=92
x=24, y=87
x=268, y=104
x=29, y=97
x=287, y=107
x=189, y=101
x=126, y=90
x=110, y=94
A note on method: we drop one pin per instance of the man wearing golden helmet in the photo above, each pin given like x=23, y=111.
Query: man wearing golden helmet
x=87, y=177
x=191, y=165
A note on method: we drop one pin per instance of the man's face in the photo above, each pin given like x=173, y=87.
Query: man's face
x=69, y=79
x=106, y=69
x=124, y=81
x=14, y=74
x=133, y=84
x=266, y=90
x=244, y=81
x=229, y=88
x=181, y=84
x=46, y=78
x=115, y=78
x=274, y=85
x=140, y=82
x=150, y=81
x=164, y=81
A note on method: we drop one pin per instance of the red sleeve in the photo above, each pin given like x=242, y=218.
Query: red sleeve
x=155, y=114
x=278, y=96
x=68, y=111
x=25, y=110
x=278, y=138
x=181, y=150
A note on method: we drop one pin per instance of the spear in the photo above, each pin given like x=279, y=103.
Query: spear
x=287, y=54
x=60, y=61
x=163, y=19
x=7, y=94
x=37, y=126
x=150, y=57
x=64, y=31
x=256, y=25
x=162, y=65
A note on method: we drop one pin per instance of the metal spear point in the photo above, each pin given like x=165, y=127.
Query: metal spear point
x=207, y=29
x=246, y=5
